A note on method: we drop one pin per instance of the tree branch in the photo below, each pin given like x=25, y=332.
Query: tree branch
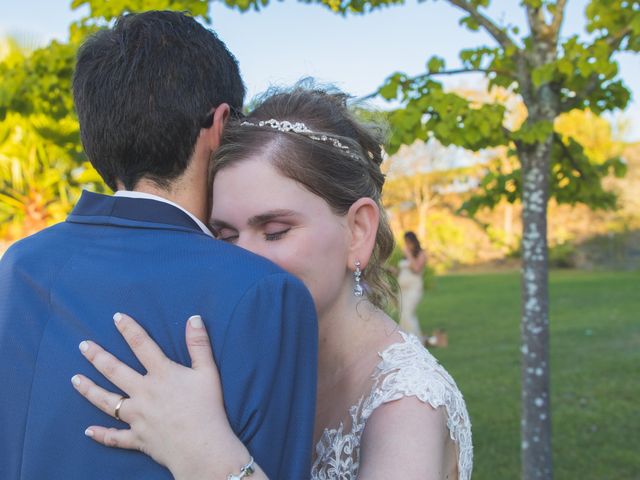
x=468, y=70
x=446, y=72
x=568, y=154
x=615, y=41
x=539, y=29
x=574, y=102
x=557, y=19
x=496, y=32
x=524, y=80
x=507, y=133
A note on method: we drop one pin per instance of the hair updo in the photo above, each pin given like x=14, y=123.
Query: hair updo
x=337, y=174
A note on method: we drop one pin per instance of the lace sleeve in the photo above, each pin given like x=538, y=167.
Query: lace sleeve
x=408, y=369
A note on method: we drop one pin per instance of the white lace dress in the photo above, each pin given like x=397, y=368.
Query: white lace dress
x=406, y=369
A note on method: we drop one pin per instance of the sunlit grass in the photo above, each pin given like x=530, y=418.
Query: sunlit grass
x=595, y=368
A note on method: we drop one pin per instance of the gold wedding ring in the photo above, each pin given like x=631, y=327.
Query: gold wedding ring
x=116, y=413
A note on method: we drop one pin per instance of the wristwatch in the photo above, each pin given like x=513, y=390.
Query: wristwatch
x=245, y=471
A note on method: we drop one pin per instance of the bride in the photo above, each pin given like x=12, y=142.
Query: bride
x=298, y=181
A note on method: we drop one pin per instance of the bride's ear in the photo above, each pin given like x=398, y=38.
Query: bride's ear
x=362, y=218
x=213, y=134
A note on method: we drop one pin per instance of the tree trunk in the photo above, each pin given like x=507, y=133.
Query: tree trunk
x=536, y=408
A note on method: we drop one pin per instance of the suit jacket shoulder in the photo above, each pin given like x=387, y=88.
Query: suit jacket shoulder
x=64, y=284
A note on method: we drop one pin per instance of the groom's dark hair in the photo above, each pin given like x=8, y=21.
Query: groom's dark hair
x=144, y=89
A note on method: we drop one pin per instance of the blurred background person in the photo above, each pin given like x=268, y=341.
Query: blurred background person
x=411, y=269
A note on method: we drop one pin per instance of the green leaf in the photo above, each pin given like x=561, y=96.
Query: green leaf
x=435, y=64
x=532, y=3
x=543, y=74
x=531, y=133
x=389, y=90
x=470, y=22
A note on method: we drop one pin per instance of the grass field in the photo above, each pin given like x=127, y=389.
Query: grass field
x=595, y=368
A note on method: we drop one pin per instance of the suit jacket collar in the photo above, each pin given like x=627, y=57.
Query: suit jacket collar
x=98, y=209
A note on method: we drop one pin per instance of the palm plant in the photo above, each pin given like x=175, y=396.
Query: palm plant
x=35, y=188
x=42, y=168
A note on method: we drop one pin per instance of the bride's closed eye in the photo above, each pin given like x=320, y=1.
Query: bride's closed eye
x=226, y=235
x=270, y=234
x=270, y=237
x=275, y=231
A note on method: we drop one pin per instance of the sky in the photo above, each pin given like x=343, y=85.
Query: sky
x=288, y=41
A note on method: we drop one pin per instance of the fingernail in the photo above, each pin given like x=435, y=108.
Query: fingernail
x=75, y=380
x=88, y=432
x=84, y=346
x=196, y=321
x=117, y=317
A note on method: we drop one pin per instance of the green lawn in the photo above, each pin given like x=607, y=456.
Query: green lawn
x=595, y=368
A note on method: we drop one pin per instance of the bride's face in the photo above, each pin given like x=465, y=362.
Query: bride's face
x=257, y=208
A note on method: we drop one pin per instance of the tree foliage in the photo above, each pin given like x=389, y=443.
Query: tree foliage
x=42, y=167
x=583, y=76
x=101, y=10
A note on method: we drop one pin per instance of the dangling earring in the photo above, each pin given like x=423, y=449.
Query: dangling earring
x=357, y=273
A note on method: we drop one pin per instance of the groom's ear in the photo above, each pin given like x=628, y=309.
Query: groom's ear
x=214, y=132
x=363, y=218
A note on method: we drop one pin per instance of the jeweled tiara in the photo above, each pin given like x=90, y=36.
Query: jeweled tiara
x=299, y=127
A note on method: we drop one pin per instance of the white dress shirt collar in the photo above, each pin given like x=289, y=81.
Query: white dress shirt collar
x=150, y=196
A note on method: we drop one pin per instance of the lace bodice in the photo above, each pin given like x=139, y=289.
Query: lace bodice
x=406, y=369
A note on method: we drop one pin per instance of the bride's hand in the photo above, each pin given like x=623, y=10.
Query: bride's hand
x=176, y=413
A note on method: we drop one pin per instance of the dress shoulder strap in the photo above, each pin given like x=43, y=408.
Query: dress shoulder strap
x=408, y=369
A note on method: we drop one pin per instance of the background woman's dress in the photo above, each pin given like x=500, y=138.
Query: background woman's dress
x=411, y=289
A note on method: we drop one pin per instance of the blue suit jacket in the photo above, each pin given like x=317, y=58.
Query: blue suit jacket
x=150, y=260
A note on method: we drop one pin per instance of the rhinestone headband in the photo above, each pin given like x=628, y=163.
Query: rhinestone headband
x=299, y=127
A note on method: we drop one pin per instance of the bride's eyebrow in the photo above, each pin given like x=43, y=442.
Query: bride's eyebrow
x=269, y=216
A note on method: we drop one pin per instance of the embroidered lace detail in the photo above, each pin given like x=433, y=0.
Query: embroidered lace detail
x=406, y=369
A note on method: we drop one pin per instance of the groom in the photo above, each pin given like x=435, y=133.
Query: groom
x=152, y=95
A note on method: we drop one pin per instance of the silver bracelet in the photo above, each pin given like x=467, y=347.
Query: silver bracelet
x=245, y=471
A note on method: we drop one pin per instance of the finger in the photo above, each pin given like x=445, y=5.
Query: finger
x=103, y=399
x=112, y=437
x=198, y=344
x=118, y=373
x=142, y=345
